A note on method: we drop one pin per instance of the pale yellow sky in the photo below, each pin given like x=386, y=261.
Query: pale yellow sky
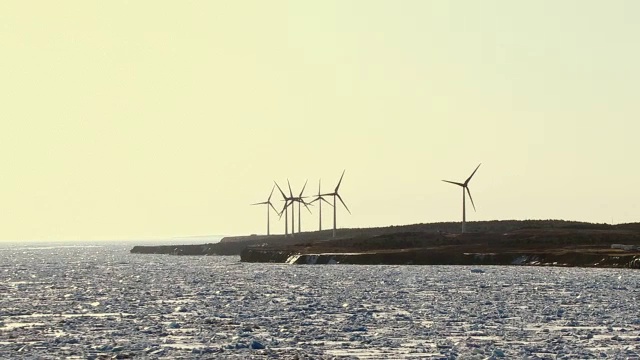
x=130, y=119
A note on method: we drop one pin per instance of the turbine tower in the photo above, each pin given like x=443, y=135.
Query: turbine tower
x=465, y=186
x=300, y=200
x=319, y=198
x=269, y=207
x=336, y=195
x=287, y=201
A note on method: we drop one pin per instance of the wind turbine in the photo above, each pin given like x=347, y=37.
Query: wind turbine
x=465, y=187
x=268, y=202
x=299, y=199
x=336, y=195
x=320, y=198
x=287, y=201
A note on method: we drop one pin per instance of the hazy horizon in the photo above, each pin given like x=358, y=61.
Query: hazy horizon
x=139, y=120
x=200, y=239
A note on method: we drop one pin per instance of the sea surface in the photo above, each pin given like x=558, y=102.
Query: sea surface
x=98, y=301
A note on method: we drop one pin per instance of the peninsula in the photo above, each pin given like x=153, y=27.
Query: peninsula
x=506, y=242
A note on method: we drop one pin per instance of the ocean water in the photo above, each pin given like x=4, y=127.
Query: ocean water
x=99, y=301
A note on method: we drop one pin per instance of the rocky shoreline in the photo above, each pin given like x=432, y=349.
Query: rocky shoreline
x=418, y=257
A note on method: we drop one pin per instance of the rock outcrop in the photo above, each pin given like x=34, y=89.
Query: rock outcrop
x=417, y=257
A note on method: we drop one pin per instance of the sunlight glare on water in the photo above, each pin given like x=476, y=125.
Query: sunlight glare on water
x=89, y=301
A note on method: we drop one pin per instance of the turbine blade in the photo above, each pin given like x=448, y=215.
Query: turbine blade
x=474, y=171
x=281, y=192
x=305, y=185
x=323, y=199
x=305, y=205
x=287, y=203
x=260, y=203
x=340, y=181
x=453, y=182
x=319, y=181
x=469, y=192
x=290, y=192
x=273, y=207
x=273, y=188
x=342, y=201
x=330, y=194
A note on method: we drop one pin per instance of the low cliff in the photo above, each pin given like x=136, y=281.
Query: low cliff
x=552, y=247
x=203, y=249
x=422, y=257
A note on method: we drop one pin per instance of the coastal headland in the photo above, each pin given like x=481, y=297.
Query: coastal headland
x=506, y=242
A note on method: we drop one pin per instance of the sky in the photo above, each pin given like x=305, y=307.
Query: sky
x=135, y=119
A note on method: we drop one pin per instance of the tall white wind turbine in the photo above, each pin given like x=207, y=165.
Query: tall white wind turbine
x=320, y=199
x=335, y=195
x=300, y=200
x=269, y=207
x=465, y=186
x=287, y=201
